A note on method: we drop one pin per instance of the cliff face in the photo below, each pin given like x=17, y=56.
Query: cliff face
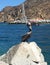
x=38, y=8
x=24, y=54
x=34, y=9
x=10, y=14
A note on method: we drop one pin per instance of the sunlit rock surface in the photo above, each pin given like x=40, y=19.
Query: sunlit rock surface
x=24, y=54
x=3, y=63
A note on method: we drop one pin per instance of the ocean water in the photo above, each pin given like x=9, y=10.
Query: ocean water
x=11, y=34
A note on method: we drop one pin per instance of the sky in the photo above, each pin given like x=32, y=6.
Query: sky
x=4, y=3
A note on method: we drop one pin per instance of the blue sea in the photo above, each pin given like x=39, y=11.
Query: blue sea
x=11, y=34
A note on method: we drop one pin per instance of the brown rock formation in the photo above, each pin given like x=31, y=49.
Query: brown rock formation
x=34, y=9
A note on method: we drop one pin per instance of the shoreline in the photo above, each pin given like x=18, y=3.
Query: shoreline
x=33, y=23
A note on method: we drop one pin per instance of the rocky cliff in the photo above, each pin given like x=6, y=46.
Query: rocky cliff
x=33, y=8
x=23, y=54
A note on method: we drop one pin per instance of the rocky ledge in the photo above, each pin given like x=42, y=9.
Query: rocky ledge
x=23, y=54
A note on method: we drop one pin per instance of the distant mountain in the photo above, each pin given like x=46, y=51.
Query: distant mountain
x=33, y=8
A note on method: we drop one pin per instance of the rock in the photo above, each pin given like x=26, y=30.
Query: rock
x=9, y=55
x=28, y=54
x=24, y=54
x=3, y=63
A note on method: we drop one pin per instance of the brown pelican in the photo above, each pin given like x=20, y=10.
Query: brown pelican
x=28, y=34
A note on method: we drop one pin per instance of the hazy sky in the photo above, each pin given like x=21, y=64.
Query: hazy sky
x=4, y=3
